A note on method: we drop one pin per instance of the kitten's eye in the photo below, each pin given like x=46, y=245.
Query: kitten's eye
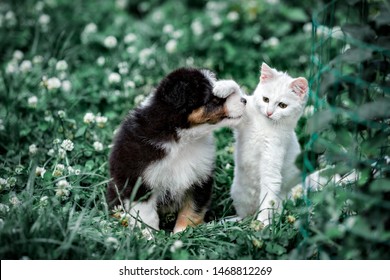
x=266, y=99
x=282, y=105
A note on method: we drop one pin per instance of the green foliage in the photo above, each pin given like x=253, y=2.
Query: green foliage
x=71, y=70
x=351, y=131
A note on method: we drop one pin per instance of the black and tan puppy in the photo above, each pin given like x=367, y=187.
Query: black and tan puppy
x=168, y=144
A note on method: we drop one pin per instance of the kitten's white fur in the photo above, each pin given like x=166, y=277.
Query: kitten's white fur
x=266, y=144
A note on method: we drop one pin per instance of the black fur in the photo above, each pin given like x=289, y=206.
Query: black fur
x=136, y=144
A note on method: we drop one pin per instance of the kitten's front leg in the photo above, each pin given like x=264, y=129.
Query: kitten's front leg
x=224, y=88
x=270, y=184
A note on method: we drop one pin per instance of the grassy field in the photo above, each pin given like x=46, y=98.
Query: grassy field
x=71, y=70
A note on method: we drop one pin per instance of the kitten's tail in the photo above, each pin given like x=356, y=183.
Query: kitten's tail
x=323, y=177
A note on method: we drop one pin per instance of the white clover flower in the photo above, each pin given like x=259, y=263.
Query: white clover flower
x=60, y=166
x=168, y=28
x=303, y=59
x=3, y=182
x=190, y=61
x=67, y=145
x=40, y=171
x=297, y=192
x=171, y=46
x=4, y=208
x=37, y=59
x=307, y=27
x=66, y=86
x=33, y=149
x=44, y=19
x=158, y=16
x=61, y=114
x=114, y=78
x=144, y=55
x=90, y=28
x=129, y=84
x=178, y=244
x=130, y=38
x=123, y=68
x=61, y=153
x=110, y=42
x=25, y=66
x=112, y=241
x=233, y=16
x=39, y=6
x=14, y=201
x=131, y=49
x=63, y=189
x=32, y=101
x=44, y=201
x=53, y=83
x=10, y=18
x=337, y=32
x=197, y=27
x=215, y=20
x=177, y=34
x=121, y=4
x=70, y=170
x=51, y=152
x=101, y=121
x=218, y=36
x=98, y=146
x=89, y=118
x=271, y=42
x=11, y=68
x=228, y=166
x=58, y=170
x=323, y=30
x=101, y=61
x=308, y=111
x=61, y=65
x=272, y=2
x=18, y=55
x=138, y=99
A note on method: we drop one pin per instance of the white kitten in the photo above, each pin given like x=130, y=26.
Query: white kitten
x=266, y=144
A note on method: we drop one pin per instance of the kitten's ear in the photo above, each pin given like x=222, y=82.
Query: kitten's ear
x=299, y=86
x=267, y=73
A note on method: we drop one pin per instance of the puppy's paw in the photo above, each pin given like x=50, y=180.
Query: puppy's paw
x=224, y=88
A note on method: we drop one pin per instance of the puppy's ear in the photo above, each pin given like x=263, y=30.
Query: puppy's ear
x=174, y=94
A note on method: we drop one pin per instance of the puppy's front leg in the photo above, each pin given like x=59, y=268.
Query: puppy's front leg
x=188, y=216
x=195, y=205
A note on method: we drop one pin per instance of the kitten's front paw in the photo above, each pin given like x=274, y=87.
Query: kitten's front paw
x=224, y=88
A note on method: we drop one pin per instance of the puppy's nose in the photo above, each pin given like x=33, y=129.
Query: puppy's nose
x=243, y=100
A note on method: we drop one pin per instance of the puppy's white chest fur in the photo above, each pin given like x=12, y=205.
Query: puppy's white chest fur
x=187, y=162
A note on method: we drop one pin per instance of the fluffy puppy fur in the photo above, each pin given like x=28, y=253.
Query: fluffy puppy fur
x=163, y=155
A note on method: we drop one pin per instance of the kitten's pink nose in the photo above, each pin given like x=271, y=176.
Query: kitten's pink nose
x=269, y=114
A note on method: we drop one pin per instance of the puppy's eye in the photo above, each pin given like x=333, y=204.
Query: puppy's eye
x=216, y=101
x=266, y=99
x=282, y=105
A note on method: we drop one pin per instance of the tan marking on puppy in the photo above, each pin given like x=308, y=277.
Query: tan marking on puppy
x=201, y=116
x=187, y=216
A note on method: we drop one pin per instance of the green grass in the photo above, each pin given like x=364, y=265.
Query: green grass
x=44, y=217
